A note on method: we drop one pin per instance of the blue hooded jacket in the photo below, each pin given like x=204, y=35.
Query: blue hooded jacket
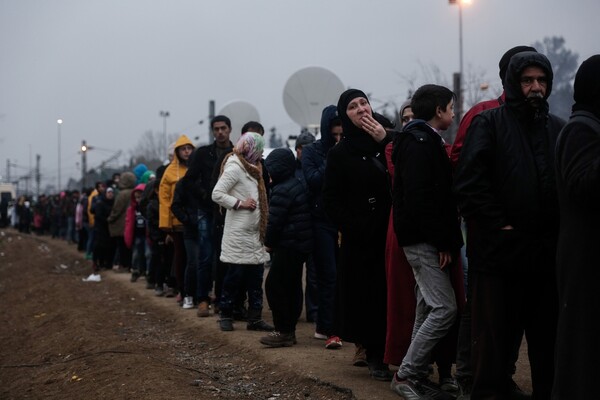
x=314, y=157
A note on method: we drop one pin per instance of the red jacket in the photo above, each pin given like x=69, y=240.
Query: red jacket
x=465, y=123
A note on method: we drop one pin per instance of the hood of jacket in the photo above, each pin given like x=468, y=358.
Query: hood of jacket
x=328, y=114
x=181, y=141
x=127, y=181
x=139, y=170
x=140, y=187
x=281, y=164
x=514, y=94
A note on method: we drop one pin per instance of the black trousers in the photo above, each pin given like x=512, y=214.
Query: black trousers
x=282, y=285
x=505, y=304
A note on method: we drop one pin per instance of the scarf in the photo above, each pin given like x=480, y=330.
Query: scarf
x=255, y=171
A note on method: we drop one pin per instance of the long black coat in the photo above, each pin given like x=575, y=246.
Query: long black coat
x=356, y=196
x=578, y=272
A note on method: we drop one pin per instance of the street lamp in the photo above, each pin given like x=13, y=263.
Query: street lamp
x=164, y=115
x=84, y=150
x=460, y=4
x=59, y=123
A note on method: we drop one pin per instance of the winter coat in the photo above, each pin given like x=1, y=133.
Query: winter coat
x=133, y=217
x=190, y=197
x=150, y=207
x=101, y=228
x=505, y=176
x=289, y=225
x=578, y=177
x=314, y=158
x=424, y=205
x=208, y=156
x=116, y=219
x=356, y=197
x=465, y=122
x=90, y=208
x=173, y=173
x=241, y=238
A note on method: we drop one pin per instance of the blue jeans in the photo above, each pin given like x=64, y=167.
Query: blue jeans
x=324, y=257
x=237, y=275
x=198, y=279
x=436, y=308
x=89, y=247
x=140, y=254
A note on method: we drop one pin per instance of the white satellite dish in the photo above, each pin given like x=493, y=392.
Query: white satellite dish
x=239, y=112
x=307, y=92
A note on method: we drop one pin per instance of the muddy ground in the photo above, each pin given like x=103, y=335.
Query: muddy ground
x=62, y=338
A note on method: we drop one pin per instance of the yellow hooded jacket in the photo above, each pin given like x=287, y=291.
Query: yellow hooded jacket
x=173, y=173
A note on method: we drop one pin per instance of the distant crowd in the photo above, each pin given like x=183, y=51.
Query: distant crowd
x=372, y=218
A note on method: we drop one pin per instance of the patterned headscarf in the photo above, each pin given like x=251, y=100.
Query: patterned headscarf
x=250, y=146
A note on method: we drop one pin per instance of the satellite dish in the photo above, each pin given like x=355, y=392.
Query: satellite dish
x=239, y=112
x=307, y=92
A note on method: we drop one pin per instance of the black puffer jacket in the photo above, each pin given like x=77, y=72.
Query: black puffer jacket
x=289, y=223
x=505, y=174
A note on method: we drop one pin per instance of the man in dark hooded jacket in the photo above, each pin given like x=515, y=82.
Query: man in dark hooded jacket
x=325, y=231
x=505, y=186
x=578, y=174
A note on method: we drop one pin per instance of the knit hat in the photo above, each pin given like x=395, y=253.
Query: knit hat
x=304, y=138
x=505, y=60
x=586, y=90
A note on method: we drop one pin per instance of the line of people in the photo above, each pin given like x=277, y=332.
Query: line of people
x=374, y=214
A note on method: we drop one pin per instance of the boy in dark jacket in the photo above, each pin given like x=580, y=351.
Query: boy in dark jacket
x=427, y=227
x=289, y=238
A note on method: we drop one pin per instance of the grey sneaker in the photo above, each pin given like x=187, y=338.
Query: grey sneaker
x=418, y=389
x=278, y=339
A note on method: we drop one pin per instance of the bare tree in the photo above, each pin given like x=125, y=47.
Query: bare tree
x=150, y=149
x=564, y=66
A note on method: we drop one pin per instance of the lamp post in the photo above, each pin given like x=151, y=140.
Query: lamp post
x=460, y=4
x=59, y=123
x=164, y=115
x=84, y=150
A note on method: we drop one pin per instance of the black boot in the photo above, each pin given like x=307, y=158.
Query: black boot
x=256, y=323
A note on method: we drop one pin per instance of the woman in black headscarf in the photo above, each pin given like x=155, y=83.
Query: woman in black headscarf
x=356, y=196
x=578, y=183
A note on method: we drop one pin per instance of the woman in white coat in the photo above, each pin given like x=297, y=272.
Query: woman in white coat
x=241, y=190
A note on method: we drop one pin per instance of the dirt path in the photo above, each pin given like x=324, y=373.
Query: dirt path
x=68, y=339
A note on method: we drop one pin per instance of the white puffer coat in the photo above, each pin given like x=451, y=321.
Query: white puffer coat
x=241, y=239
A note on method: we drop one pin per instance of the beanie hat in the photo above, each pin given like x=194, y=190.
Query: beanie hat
x=505, y=60
x=304, y=138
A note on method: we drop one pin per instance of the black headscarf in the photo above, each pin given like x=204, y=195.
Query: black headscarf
x=356, y=137
x=587, y=86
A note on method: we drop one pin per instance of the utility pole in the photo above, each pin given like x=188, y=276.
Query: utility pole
x=37, y=175
x=84, y=149
x=211, y=115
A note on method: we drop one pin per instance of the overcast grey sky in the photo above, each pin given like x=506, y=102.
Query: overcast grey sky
x=107, y=67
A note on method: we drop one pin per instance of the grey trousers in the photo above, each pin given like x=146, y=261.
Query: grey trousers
x=435, y=311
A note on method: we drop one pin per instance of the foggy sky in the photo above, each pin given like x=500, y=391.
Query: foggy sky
x=107, y=67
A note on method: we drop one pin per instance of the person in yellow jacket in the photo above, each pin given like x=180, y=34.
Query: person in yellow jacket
x=166, y=220
x=99, y=188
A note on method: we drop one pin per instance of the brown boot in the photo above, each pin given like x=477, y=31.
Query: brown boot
x=203, y=309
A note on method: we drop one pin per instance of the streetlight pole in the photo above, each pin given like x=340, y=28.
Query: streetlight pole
x=59, y=123
x=164, y=115
x=84, y=149
x=460, y=4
